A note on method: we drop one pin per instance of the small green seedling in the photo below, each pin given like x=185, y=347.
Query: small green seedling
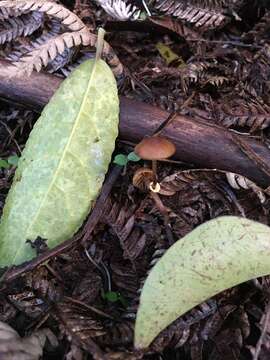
x=113, y=296
x=122, y=160
x=13, y=160
x=4, y=164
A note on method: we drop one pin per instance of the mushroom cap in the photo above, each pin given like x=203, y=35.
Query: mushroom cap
x=155, y=148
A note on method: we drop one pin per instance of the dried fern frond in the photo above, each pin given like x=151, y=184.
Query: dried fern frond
x=240, y=182
x=212, y=4
x=23, y=49
x=119, y=9
x=61, y=60
x=193, y=72
x=252, y=114
x=216, y=80
x=20, y=26
x=52, y=9
x=7, y=13
x=41, y=56
x=56, y=45
x=122, y=221
x=205, y=18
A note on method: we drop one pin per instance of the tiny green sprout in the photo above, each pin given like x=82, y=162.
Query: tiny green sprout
x=13, y=160
x=113, y=296
x=122, y=159
x=4, y=164
x=133, y=157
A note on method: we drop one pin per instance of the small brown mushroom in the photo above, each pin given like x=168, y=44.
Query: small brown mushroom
x=154, y=148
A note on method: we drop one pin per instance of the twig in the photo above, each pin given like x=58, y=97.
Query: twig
x=197, y=142
x=89, y=307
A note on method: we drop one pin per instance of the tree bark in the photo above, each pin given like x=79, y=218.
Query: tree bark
x=197, y=142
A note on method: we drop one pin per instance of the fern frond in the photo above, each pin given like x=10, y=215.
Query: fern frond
x=7, y=13
x=52, y=9
x=71, y=67
x=45, y=50
x=20, y=26
x=48, y=51
x=205, y=4
x=252, y=114
x=238, y=182
x=61, y=60
x=23, y=49
x=216, y=80
x=193, y=72
x=198, y=16
x=119, y=9
x=57, y=63
x=41, y=53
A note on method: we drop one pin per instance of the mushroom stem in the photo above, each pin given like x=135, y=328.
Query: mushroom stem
x=154, y=168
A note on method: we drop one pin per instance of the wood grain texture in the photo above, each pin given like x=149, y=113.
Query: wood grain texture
x=197, y=142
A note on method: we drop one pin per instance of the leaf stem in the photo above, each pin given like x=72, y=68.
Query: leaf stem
x=100, y=43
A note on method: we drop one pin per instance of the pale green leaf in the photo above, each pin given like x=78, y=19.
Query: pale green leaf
x=133, y=157
x=215, y=256
x=63, y=165
x=120, y=160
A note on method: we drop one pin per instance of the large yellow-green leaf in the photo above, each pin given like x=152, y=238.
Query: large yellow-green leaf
x=215, y=256
x=63, y=165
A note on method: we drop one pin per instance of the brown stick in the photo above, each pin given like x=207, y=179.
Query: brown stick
x=196, y=142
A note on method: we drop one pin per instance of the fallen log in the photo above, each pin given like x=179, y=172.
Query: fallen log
x=197, y=142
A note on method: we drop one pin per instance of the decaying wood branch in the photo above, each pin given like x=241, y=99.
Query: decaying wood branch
x=197, y=142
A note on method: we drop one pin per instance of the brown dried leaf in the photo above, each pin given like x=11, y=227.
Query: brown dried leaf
x=12, y=346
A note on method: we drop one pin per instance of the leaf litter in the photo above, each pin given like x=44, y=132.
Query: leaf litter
x=225, y=68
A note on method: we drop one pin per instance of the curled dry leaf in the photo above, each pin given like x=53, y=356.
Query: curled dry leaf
x=12, y=346
x=142, y=178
